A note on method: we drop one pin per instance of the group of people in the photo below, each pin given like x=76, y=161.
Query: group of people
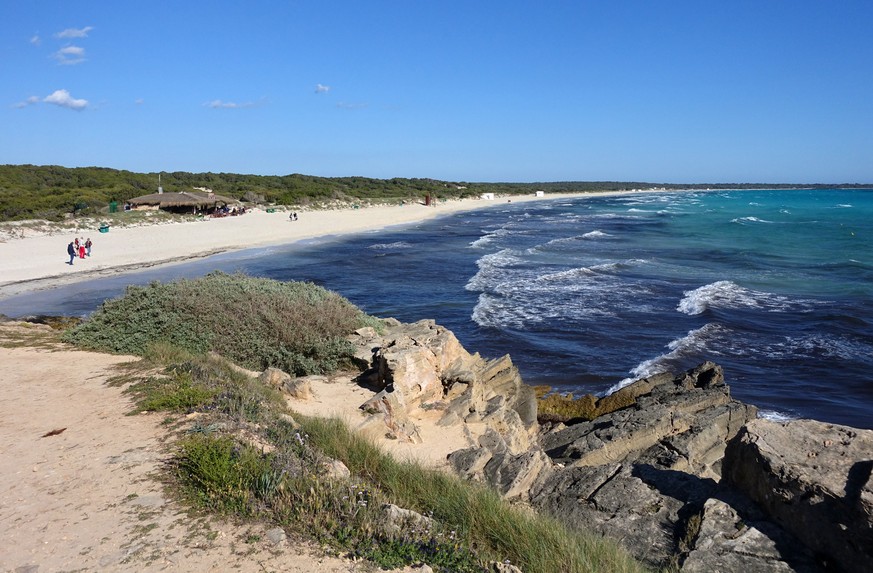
x=292, y=217
x=79, y=248
x=226, y=211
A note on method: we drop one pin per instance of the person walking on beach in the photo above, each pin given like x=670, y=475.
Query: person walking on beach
x=81, y=249
x=88, y=246
x=71, y=250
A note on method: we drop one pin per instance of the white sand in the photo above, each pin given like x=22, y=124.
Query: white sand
x=90, y=497
x=40, y=262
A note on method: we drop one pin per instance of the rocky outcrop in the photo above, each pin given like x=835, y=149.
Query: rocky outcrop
x=423, y=366
x=649, y=474
x=680, y=423
x=648, y=469
x=813, y=479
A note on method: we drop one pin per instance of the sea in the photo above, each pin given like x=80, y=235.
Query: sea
x=589, y=293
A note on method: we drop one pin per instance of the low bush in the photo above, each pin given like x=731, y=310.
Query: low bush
x=298, y=327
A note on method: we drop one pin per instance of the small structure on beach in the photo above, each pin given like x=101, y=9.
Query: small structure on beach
x=488, y=196
x=182, y=201
x=540, y=194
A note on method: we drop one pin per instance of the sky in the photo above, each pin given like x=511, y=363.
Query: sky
x=675, y=91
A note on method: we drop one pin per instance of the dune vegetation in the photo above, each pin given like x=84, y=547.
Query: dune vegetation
x=240, y=452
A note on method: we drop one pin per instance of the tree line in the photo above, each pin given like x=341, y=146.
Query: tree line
x=53, y=192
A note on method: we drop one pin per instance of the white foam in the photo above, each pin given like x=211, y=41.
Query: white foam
x=844, y=206
x=742, y=220
x=775, y=416
x=491, y=269
x=391, y=246
x=695, y=341
x=570, y=274
x=726, y=294
x=595, y=234
x=720, y=293
x=489, y=237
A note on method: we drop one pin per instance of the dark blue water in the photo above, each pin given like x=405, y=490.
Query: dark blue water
x=587, y=294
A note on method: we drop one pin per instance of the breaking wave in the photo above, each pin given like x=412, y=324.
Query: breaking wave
x=726, y=294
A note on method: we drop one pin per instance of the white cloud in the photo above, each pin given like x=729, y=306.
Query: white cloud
x=218, y=104
x=36, y=40
x=64, y=99
x=70, y=55
x=321, y=89
x=139, y=101
x=75, y=32
x=29, y=101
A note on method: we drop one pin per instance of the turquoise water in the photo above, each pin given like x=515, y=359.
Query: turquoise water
x=587, y=294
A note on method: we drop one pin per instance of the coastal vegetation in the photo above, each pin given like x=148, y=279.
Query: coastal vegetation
x=240, y=452
x=51, y=192
x=258, y=323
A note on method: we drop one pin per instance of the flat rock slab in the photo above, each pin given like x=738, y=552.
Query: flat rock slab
x=813, y=479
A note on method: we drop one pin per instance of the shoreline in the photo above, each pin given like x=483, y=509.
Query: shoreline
x=39, y=263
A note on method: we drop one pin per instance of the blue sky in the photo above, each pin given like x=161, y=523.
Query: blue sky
x=674, y=91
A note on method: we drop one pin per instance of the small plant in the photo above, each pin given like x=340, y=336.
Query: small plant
x=175, y=393
x=221, y=473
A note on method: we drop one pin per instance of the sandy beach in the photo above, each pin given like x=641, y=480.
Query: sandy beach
x=37, y=262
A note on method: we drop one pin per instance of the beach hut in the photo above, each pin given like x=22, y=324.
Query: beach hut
x=182, y=201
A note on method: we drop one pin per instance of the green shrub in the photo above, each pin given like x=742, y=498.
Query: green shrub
x=298, y=327
x=174, y=394
x=221, y=473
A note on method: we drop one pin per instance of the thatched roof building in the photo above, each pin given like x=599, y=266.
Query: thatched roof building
x=182, y=199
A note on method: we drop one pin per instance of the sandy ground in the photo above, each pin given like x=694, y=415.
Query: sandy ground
x=32, y=262
x=88, y=498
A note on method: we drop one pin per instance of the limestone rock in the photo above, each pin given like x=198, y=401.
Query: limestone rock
x=276, y=536
x=515, y=475
x=390, y=412
x=690, y=417
x=274, y=377
x=422, y=366
x=399, y=520
x=638, y=472
x=300, y=388
x=335, y=469
x=730, y=539
x=813, y=479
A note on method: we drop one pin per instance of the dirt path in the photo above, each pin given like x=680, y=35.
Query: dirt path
x=86, y=498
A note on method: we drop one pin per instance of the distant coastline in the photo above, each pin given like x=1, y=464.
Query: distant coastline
x=38, y=262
